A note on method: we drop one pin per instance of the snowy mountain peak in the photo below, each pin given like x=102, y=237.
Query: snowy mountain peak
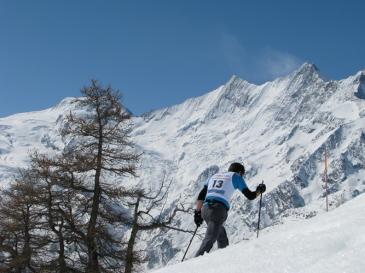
x=236, y=81
x=65, y=105
x=236, y=84
x=360, y=93
x=307, y=73
x=307, y=69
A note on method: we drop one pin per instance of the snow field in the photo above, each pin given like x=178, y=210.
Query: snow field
x=332, y=242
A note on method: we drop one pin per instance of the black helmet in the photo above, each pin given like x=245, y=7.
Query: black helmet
x=237, y=168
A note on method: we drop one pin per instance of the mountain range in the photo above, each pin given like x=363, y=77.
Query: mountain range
x=279, y=130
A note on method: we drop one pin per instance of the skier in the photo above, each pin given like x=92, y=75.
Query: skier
x=213, y=204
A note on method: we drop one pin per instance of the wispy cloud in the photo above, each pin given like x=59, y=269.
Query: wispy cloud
x=256, y=65
x=276, y=63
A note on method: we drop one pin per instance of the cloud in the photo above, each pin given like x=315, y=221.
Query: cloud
x=257, y=65
x=275, y=63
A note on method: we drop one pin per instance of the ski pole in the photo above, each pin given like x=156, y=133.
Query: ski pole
x=258, y=223
x=189, y=244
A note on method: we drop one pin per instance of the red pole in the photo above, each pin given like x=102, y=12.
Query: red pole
x=325, y=175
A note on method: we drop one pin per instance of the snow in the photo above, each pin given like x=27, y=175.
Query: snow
x=345, y=110
x=332, y=242
x=23, y=133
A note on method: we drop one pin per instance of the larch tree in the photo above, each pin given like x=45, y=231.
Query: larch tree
x=97, y=158
x=20, y=225
x=148, y=212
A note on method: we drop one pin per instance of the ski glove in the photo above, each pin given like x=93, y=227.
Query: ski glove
x=198, y=217
x=261, y=188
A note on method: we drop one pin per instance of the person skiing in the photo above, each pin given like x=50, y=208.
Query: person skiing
x=213, y=203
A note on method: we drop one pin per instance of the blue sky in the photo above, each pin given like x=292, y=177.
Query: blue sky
x=159, y=53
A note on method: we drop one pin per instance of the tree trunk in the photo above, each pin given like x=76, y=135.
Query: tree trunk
x=26, y=249
x=59, y=233
x=132, y=240
x=93, y=263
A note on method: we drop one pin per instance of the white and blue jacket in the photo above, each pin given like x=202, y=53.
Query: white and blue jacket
x=221, y=186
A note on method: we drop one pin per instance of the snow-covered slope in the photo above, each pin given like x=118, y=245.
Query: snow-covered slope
x=332, y=242
x=25, y=132
x=279, y=130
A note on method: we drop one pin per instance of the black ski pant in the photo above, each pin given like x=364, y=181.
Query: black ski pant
x=214, y=214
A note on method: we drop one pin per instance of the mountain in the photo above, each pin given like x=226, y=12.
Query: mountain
x=279, y=130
